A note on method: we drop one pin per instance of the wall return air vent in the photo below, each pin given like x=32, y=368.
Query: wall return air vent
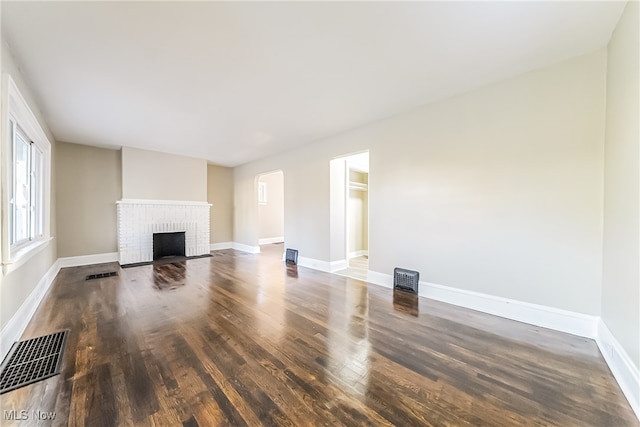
x=405, y=280
x=291, y=256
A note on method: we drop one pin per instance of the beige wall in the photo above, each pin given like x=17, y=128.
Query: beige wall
x=220, y=195
x=16, y=286
x=357, y=221
x=497, y=191
x=358, y=214
x=160, y=176
x=621, y=269
x=271, y=215
x=89, y=184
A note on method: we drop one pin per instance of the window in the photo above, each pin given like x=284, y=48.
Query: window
x=262, y=193
x=26, y=163
x=25, y=199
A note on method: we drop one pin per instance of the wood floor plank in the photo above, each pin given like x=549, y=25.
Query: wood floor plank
x=241, y=339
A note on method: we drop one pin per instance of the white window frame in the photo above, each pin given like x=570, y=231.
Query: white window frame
x=18, y=117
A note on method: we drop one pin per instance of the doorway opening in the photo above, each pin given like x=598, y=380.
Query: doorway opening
x=270, y=199
x=350, y=215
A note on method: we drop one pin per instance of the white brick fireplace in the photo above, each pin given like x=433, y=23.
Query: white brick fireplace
x=138, y=220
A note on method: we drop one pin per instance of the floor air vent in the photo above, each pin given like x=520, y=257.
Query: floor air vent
x=101, y=275
x=291, y=256
x=406, y=280
x=32, y=360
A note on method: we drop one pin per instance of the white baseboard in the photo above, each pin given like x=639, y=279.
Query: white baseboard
x=220, y=246
x=271, y=240
x=326, y=266
x=624, y=370
x=338, y=265
x=76, y=261
x=316, y=264
x=246, y=248
x=357, y=254
x=380, y=279
x=18, y=323
x=534, y=314
x=547, y=317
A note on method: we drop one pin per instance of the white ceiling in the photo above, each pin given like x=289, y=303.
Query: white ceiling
x=233, y=82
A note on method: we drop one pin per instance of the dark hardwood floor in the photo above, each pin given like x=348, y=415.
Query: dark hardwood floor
x=239, y=339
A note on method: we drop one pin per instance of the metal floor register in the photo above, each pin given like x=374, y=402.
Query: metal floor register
x=32, y=360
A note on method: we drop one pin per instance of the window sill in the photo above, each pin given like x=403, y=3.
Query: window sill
x=21, y=256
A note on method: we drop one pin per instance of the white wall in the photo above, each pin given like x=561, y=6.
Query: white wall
x=17, y=286
x=337, y=202
x=621, y=266
x=160, y=176
x=497, y=191
x=271, y=214
x=306, y=203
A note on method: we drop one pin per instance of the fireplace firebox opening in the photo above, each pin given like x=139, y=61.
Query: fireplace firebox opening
x=168, y=245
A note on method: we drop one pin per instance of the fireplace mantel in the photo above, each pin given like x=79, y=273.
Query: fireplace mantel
x=139, y=219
